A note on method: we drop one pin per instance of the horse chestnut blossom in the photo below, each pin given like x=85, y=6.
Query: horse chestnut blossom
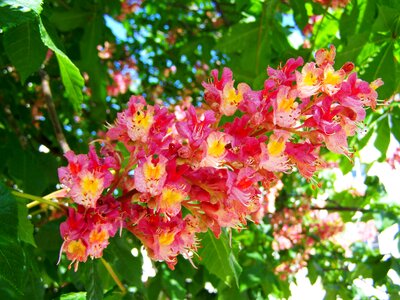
x=168, y=175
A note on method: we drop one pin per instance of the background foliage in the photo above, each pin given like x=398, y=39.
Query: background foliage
x=164, y=50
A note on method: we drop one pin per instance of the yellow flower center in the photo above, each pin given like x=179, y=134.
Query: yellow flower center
x=216, y=148
x=98, y=237
x=91, y=185
x=310, y=78
x=153, y=172
x=286, y=104
x=331, y=78
x=232, y=97
x=166, y=238
x=276, y=146
x=171, y=197
x=76, y=248
x=140, y=119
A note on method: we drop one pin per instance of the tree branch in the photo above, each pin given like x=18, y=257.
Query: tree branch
x=52, y=112
x=342, y=208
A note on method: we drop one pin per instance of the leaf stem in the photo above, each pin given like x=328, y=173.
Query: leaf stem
x=35, y=199
x=113, y=275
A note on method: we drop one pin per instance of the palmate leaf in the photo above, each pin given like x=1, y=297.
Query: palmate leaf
x=219, y=259
x=11, y=255
x=11, y=16
x=25, y=227
x=70, y=75
x=25, y=48
x=93, y=283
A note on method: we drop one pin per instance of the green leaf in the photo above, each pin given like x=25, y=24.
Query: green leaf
x=69, y=20
x=346, y=165
x=93, y=283
x=74, y=296
x=25, y=48
x=90, y=61
x=395, y=122
x=380, y=270
x=8, y=214
x=70, y=75
x=382, y=137
x=11, y=16
x=11, y=255
x=128, y=267
x=383, y=65
x=299, y=13
x=219, y=259
x=23, y=166
x=360, y=144
x=24, y=5
x=25, y=227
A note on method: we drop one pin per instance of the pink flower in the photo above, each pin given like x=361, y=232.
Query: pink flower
x=86, y=176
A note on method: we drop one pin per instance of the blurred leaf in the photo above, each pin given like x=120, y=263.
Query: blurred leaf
x=90, y=60
x=74, y=296
x=346, y=165
x=25, y=48
x=71, y=77
x=382, y=137
x=360, y=144
x=69, y=20
x=25, y=227
x=299, y=13
x=395, y=122
x=380, y=270
x=219, y=259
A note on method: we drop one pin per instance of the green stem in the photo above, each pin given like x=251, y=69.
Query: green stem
x=113, y=275
x=35, y=198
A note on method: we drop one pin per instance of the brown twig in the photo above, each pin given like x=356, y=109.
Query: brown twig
x=342, y=208
x=52, y=112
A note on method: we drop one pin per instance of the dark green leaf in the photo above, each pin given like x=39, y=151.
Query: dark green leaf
x=24, y=5
x=69, y=20
x=25, y=227
x=90, y=61
x=128, y=267
x=395, y=122
x=218, y=258
x=299, y=13
x=71, y=77
x=25, y=48
x=11, y=16
x=11, y=255
x=380, y=270
x=93, y=283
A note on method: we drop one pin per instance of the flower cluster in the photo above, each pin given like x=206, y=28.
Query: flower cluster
x=167, y=175
x=302, y=228
x=333, y=3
